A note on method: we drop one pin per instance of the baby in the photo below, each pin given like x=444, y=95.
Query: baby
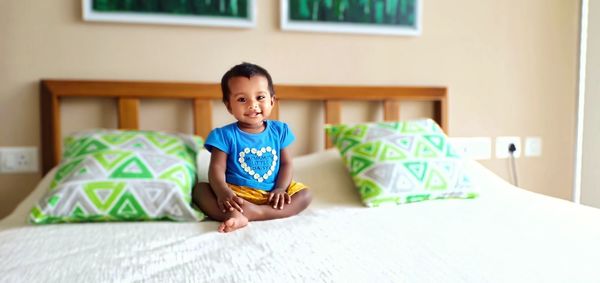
x=250, y=173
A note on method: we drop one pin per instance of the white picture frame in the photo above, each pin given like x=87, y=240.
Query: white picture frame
x=89, y=14
x=347, y=27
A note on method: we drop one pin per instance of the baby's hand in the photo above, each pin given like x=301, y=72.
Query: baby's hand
x=228, y=201
x=279, y=197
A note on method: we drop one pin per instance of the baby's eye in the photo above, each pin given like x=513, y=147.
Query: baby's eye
x=241, y=99
x=260, y=97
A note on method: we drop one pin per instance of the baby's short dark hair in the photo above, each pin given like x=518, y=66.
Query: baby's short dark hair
x=247, y=70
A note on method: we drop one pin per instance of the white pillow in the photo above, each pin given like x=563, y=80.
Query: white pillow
x=323, y=172
x=326, y=175
x=202, y=163
x=20, y=215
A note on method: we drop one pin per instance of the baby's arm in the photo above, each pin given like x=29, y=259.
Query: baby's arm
x=226, y=198
x=279, y=196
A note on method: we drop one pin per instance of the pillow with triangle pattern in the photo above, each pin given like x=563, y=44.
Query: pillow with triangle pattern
x=401, y=162
x=114, y=175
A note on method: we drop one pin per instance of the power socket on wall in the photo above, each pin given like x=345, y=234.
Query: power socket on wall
x=18, y=159
x=502, y=144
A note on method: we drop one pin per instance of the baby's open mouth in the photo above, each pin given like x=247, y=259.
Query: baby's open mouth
x=254, y=114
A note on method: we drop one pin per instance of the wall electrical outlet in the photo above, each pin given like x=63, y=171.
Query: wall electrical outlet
x=477, y=148
x=502, y=144
x=18, y=159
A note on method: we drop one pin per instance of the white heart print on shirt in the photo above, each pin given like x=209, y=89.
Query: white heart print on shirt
x=258, y=163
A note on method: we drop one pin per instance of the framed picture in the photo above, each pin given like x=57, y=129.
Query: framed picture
x=221, y=13
x=387, y=17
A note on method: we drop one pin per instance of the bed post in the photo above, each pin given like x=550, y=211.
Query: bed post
x=440, y=113
x=50, y=127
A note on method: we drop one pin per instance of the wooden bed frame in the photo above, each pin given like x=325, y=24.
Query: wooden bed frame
x=128, y=94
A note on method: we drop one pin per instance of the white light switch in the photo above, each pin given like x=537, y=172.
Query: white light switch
x=533, y=146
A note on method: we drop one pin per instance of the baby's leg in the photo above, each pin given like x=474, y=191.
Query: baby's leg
x=299, y=202
x=204, y=197
x=206, y=200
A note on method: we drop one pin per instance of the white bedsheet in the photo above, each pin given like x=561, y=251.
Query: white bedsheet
x=506, y=235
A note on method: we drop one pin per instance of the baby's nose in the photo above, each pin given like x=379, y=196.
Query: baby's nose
x=253, y=106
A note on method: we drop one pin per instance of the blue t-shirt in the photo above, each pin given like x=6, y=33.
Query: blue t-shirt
x=252, y=159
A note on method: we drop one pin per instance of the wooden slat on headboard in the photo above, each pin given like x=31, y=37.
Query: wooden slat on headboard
x=129, y=113
x=333, y=115
x=128, y=94
x=391, y=110
x=202, y=117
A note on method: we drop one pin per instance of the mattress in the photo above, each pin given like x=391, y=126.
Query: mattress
x=506, y=235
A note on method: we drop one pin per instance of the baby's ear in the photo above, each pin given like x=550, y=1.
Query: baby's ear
x=228, y=106
x=273, y=100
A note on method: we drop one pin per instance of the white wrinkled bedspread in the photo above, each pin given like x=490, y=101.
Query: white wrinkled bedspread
x=506, y=235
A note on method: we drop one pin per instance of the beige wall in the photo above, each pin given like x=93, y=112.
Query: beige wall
x=510, y=67
x=590, y=183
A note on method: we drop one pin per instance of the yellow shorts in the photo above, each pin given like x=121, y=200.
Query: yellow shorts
x=262, y=197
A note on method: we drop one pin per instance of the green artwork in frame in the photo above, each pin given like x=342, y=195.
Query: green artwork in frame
x=223, y=13
x=390, y=17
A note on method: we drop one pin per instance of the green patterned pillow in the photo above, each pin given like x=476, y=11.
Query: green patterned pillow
x=401, y=162
x=112, y=175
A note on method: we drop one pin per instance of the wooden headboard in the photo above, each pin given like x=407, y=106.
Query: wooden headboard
x=128, y=94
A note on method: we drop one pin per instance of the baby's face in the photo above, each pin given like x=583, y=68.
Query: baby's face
x=250, y=101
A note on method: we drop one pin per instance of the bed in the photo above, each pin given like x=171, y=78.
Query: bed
x=507, y=234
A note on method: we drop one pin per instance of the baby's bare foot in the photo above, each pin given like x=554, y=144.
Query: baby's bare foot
x=236, y=221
